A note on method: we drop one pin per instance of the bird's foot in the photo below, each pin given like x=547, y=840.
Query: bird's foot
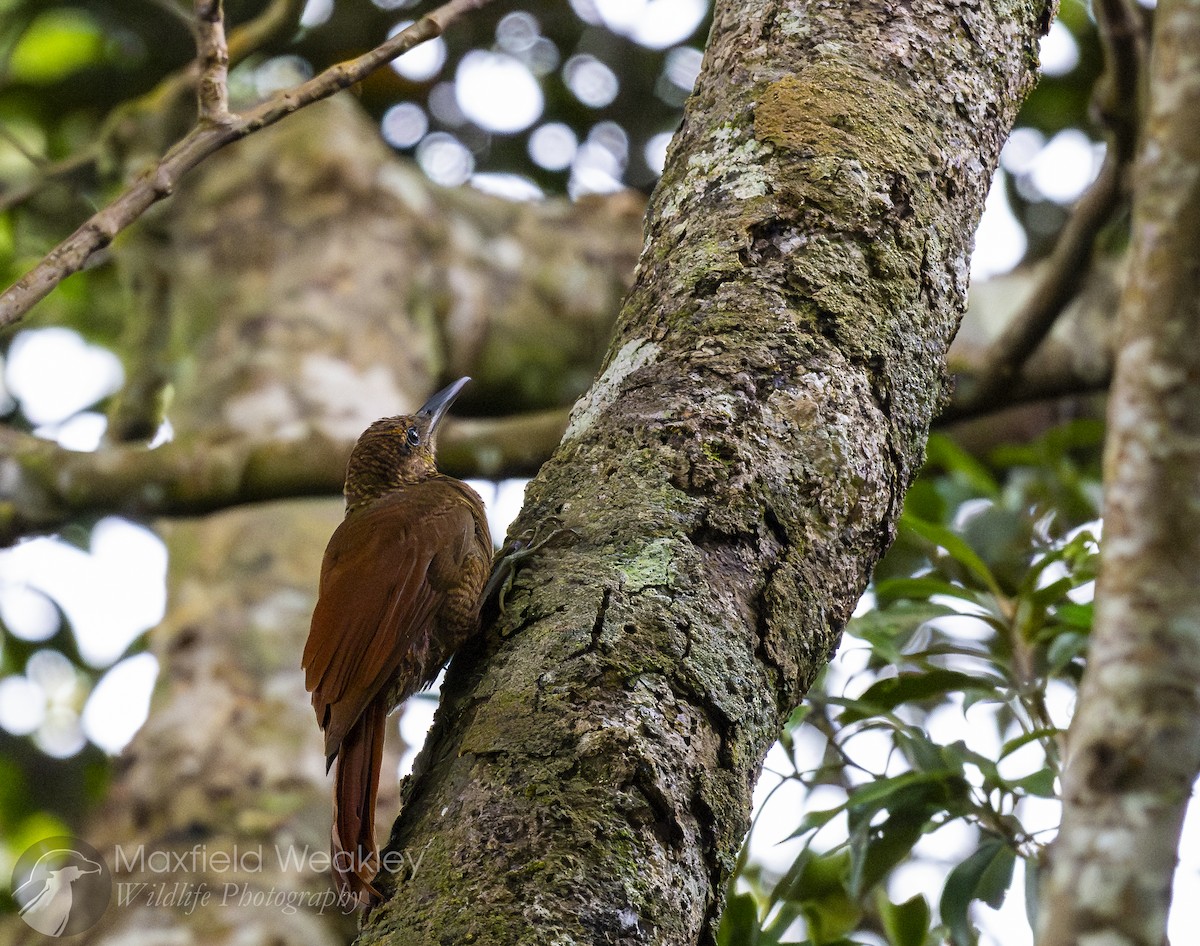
x=517, y=550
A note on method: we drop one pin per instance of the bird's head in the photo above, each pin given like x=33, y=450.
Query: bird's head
x=395, y=452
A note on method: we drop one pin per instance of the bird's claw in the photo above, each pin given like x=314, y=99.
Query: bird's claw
x=513, y=553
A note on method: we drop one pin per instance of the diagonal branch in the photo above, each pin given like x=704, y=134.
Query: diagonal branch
x=1068, y=264
x=203, y=140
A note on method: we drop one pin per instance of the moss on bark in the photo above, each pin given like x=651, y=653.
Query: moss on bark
x=731, y=477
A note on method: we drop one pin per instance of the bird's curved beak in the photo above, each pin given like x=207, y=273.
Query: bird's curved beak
x=437, y=405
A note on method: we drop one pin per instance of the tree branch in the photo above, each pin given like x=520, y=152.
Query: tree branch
x=212, y=56
x=1048, y=382
x=46, y=485
x=203, y=140
x=1134, y=743
x=243, y=40
x=1068, y=264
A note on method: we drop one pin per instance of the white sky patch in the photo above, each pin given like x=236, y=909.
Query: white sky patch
x=517, y=32
x=655, y=151
x=595, y=170
x=1000, y=240
x=22, y=705
x=59, y=734
x=655, y=24
x=590, y=80
x=83, y=432
x=445, y=160
x=120, y=702
x=110, y=595
x=553, y=146
x=508, y=186
x=415, y=721
x=682, y=66
x=1021, y=150
x=1059, y=51
x=498, y=92
x=315, y=13
x=1066, y=166
x=28, y=614
x=443, y=103
x=404, y=125
x=7, y=401
x=586, y=10
x=54, y=373
x=281, y=72
x=421, y=63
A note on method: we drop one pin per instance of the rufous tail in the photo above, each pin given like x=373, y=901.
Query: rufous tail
x=356, y=782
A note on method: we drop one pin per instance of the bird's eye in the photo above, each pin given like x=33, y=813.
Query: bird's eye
x=414, y=437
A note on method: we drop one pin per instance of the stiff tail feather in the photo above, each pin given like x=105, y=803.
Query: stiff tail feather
x=356, y=783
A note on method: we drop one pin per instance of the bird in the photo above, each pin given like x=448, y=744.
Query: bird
x=400, y=591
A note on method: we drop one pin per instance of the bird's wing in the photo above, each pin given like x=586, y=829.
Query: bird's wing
x=376, y=604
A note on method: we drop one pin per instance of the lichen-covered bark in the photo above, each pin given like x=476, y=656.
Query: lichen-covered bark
x=1134, y=745
x=730, y=478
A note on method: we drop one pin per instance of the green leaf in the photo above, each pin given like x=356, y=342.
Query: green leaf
x=874, y=795
x=815, y=820
x=907, y=923
x=56, y=44
x=986, y=766
x=739, y=923
x=943, y=452
x=876, y=850
x=899, y=589
x=924, y=753
x=1075, y=615
x=955, y=547
x=1063, y=649
x=1033, y=877
x=788, y=886
x=1039, y=783
x=885, y=695
x=1043, y=597
x=985, y=875
x=1043, y=735
x=889, y=630
x=819, y=893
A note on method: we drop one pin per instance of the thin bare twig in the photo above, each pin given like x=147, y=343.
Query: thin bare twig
x=203, y=140
x=1068, y=264
x=243, y=40
x=1045, y=379
x=212, y=56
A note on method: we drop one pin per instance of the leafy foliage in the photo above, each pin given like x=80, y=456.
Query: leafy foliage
x=980, y=611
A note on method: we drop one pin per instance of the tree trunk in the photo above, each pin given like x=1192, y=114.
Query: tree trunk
x=1134, y=744
x=730, y=479
x=316, y=283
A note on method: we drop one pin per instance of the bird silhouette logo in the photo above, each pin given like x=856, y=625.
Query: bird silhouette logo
x=62, y=886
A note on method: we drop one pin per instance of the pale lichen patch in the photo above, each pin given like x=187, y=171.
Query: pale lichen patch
x=651, y=566
x=633, y=355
